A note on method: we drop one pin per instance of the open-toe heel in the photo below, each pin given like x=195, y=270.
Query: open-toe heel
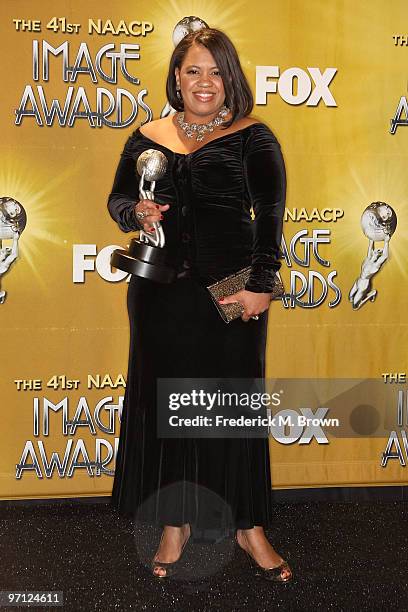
x=279, y=573
x=170, y=568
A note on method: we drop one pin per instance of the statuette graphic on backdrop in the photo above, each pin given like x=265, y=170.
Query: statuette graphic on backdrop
x=13, y=219
x=147, y=256
x=378, y=223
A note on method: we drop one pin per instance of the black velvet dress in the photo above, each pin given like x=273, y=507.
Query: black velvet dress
x=176, y=330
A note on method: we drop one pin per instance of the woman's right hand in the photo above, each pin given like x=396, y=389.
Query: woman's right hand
x=154, y=213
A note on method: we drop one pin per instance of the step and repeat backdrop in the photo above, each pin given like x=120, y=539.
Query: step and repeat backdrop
x=330, y=80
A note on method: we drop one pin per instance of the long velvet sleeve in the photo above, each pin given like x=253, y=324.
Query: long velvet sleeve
x=125, y=190
x=266, y=183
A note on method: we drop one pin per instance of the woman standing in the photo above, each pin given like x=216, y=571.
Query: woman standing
x=220, y=163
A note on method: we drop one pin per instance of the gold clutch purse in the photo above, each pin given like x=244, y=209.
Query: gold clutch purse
x=231, y=284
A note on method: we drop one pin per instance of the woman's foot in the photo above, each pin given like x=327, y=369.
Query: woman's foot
x=255, y=543
x=172, y=543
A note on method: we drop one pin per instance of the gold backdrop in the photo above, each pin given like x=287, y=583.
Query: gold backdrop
x=336, y=73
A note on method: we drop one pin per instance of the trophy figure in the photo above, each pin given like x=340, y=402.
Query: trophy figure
x=147, y=256
x=13, y=219
x=378, y=222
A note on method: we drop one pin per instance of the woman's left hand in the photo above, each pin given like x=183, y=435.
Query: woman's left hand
x=253, y=303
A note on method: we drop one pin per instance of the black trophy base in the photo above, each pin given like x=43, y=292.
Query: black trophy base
x=146, y=261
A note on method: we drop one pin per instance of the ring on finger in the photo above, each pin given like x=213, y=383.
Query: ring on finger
x=255, y=317
x=142, y=214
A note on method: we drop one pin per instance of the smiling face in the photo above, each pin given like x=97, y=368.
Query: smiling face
x=201, y=85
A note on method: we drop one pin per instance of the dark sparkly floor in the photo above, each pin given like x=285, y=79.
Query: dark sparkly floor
x=343, y=555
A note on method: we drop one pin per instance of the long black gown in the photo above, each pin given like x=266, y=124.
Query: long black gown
x=176, y=330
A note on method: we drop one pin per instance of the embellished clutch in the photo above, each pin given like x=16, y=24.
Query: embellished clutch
x=231, y=284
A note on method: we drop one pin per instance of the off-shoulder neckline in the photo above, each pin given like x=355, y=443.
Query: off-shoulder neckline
x=204, y=145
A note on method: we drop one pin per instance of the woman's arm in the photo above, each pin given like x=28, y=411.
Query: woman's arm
x=266, y=183
x=125, y=190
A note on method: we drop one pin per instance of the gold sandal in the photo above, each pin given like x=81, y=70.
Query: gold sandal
x=172, y=567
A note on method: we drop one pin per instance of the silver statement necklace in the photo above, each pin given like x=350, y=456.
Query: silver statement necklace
x=201, y=129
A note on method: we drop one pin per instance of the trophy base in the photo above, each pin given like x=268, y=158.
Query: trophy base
x=158, y=272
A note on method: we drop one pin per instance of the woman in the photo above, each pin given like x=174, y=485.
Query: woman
x=216, y=170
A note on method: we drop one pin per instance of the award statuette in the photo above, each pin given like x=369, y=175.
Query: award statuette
x=378, y=222
x=147, y=256
x=13, y=219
